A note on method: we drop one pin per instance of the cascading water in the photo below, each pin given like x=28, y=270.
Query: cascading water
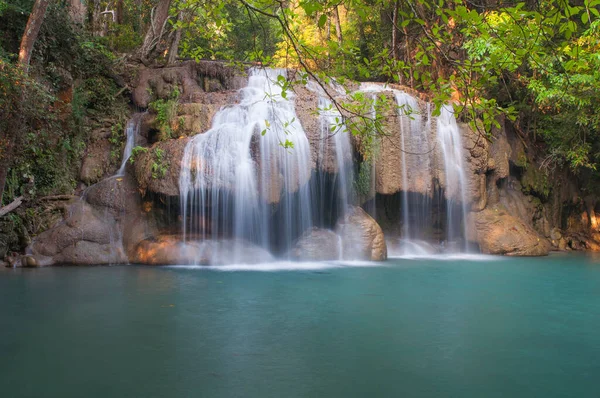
x=132, y=132
x=241, y=179
x=451, y=145
x=332, y=184
x=372, y=90
x=415, y=153
x=420, y=152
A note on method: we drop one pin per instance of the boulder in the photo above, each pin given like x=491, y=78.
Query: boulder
x=317, y=244
x=499, y=232
x=362, y=238
x=86, y=236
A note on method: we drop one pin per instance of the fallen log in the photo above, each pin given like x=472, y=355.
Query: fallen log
x=11, y=206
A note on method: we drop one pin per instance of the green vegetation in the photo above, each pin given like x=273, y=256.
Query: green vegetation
x=159, y=165
x=166, y=113
x=135, y=151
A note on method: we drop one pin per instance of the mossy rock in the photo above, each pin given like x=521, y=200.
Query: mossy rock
x=535, y=181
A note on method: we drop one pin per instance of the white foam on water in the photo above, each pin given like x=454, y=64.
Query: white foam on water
x=448, y=257
x=283, y=266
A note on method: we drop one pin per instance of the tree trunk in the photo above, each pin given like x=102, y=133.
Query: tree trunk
x=31, y=32
x=155, y=31
x=395, y=31
x=338, y=25
x=174, y=48
x=119, y=12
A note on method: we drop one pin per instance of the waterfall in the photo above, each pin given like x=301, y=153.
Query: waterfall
x=247, y=177
x=131, y=131
x=372, y=89
x=420, y=150
x=451, y=145
x=333, y=183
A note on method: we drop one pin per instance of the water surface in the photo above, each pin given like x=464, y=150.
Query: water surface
x=475, y=327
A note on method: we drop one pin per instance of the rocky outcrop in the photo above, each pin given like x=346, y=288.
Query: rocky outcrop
x=317, y=244
x=191, y=79
x=499, y=232
x=362, y=238
x=92, y=230
x=520, y=208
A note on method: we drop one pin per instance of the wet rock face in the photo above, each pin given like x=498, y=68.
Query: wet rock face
x=362, y=238
x=170, y=250
x=499, y=232
x=317, y=244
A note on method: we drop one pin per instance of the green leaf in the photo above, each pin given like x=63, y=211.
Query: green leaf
x=584, y=18
x=322, y=20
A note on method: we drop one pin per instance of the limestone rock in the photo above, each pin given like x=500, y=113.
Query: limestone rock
x=362, y=238
x=499, y=232
x=119, y=193
x=196, y=116
x=91, y=253
x=96, y=162
x=477, y=163
x=317, y=244
x=188, y=77
x=167, y=184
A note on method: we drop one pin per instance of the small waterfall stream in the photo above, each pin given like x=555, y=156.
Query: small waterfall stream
x=132, y=131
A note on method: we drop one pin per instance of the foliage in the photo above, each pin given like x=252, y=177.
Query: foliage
x=159, y=166
x=224, y=30
x=136, y=151
x=51, y=112
x=166, y=112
